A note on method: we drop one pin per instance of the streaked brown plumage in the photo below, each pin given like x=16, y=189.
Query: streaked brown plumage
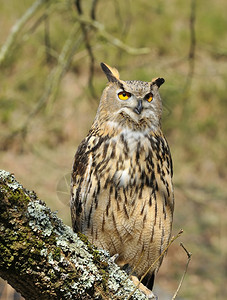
x=122, y=194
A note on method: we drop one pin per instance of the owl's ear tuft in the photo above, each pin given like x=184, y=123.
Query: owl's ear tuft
x=158, y=81
x=112, y=74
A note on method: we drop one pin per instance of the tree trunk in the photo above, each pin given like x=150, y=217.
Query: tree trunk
x=44, y=259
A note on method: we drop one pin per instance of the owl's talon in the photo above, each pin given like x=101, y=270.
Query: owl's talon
x=143, y=288
x=114, y=257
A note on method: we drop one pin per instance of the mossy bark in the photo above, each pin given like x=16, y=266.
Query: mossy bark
x=43, y=259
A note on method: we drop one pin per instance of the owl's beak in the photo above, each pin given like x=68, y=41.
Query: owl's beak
x=138, y=108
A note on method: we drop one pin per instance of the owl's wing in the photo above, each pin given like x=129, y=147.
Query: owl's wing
x=79, y=182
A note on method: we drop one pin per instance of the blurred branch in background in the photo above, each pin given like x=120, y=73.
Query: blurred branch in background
x=88, y=25
x=111, y=39
x=87, y=39
x=47, y=35
x=17, y=29
x=191, y=56
x=51, y=87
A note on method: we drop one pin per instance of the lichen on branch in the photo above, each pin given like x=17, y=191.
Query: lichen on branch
x=42, y=258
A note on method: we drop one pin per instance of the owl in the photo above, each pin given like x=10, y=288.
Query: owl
x=121, y=187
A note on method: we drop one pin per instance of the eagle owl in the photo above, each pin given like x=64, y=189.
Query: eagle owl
x=121, y=189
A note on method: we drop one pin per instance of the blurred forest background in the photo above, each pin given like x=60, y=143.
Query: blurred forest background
x=50, y=85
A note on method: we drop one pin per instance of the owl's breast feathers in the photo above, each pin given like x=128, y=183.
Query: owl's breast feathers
x=122, y=194
x=121, y=171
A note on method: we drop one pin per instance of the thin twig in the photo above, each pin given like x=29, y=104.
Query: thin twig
x=93, y=9
x=17, y=27
x=78, y=6
x=91, y=54
x=87, y=44
x=191, y=53
x=47, y=35
x=160, y=256
x=189, y=255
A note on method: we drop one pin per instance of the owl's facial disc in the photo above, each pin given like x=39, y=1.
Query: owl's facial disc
x=135, y=103
x=138, y=103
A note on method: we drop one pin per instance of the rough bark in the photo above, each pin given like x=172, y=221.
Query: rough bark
x=44, y=259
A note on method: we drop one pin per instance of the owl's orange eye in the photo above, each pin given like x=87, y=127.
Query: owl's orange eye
x=124, y=95
x=149, y=97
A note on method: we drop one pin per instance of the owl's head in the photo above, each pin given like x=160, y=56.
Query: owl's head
x=136, y=104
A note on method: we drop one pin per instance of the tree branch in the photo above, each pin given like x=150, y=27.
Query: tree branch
x=16, y=29
x=44, y=259
x=189, y=255
x=110, y=38
x=87, y=43
x=191, y=56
